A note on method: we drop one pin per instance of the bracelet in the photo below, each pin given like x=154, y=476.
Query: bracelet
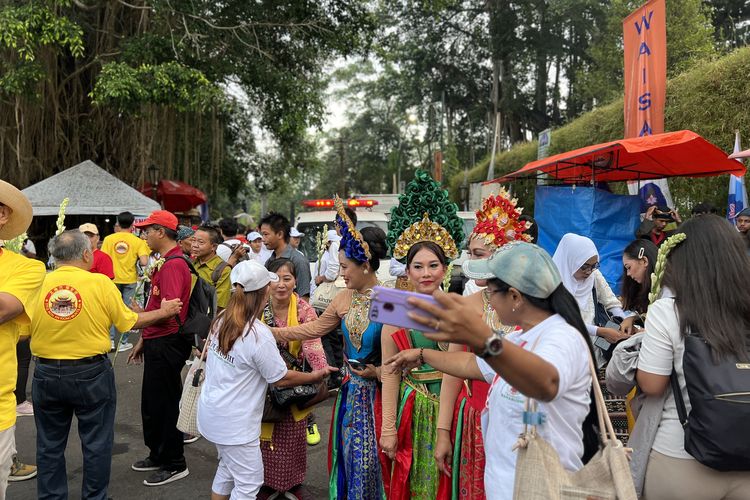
x=421, y=356
x=444, y=429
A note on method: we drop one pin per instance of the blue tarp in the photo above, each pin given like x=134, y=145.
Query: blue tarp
x=610, y=221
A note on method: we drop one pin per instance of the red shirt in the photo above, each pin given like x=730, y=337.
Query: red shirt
x=103, y=264
x=171, y=281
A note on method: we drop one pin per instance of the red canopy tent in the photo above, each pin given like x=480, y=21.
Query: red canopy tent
x=673, y=154
x=175, y=196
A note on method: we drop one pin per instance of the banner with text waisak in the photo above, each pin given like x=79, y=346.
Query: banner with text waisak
x=645, y=45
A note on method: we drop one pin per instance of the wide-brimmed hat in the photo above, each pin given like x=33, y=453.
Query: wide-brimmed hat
x=21, y=211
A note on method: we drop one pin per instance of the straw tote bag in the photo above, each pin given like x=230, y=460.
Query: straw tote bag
x=541, y=476
x=187, y=422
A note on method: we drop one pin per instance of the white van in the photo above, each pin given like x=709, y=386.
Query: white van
x=311, y=223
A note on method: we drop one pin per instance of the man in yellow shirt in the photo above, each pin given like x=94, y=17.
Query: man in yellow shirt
x=20, y=279
x=70, y=339
x=210, y=266
x=125, y=249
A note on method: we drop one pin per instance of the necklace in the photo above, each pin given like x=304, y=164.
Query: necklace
x=357, y=318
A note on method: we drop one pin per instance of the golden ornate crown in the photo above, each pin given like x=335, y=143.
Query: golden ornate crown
x=425, y=230
x=498, y=221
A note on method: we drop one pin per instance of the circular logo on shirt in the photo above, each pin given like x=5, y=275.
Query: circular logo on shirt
x=121, y=247
x=63, y=303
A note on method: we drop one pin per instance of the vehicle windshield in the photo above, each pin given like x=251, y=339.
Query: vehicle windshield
x=468, y=228
x=311, y=229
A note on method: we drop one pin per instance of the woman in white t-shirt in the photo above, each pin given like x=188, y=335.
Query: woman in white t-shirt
x=242, y=360
x=704, y=292
x=547, y=360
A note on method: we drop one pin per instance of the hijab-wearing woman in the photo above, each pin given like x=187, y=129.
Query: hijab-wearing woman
x=459, y=450
x=547, y=359
x=577, y=259
x=242, y=360
x=284, y=444
x=355, y=470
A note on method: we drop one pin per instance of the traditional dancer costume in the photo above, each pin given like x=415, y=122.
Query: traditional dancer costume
x=353, y=463
x=497, y=224
x=414, y=421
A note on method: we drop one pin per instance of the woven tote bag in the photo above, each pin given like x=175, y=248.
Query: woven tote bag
x=541, y=476
x=187, y=421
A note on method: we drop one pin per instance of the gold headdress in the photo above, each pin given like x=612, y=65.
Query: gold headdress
x=425, y=230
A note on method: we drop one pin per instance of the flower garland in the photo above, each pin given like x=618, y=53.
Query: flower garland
x=61, y=216
x=661, y=264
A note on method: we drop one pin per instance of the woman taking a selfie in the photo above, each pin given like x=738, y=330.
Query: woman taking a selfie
x=546, y=360
x=242, y=360
x=284, y=444
x=355, y=468
x=459, y=450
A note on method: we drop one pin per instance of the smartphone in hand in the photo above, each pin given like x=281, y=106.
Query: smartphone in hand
x=389, y=306
x=356, y=364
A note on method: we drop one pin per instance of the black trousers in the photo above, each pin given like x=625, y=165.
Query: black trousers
x=23, y=355
x=163, y=358
x=88, y=392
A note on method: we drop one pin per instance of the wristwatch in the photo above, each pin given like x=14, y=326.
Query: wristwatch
x=493, y=346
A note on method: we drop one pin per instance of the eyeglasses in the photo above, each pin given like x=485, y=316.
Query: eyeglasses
x=590, y=267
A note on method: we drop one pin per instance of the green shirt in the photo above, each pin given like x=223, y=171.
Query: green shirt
x=222, y=284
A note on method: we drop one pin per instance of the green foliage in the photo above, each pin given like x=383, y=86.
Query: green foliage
x=25, y=31
x=169, y=84
x=710, y=99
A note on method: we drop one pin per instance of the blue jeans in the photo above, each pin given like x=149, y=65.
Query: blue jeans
x=128, y=292
x=59, y=392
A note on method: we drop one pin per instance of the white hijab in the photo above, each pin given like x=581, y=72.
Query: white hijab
x=572, y=252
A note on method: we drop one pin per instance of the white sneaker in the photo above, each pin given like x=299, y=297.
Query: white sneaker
x=25, y=409
x=111, y=346
x=125, y=346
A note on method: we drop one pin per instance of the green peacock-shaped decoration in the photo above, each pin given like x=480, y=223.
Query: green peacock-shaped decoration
x=424, y=195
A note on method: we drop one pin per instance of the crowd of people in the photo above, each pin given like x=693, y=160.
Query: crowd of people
x=437, y=411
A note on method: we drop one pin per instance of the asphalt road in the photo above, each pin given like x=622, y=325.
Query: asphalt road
x=128, y=447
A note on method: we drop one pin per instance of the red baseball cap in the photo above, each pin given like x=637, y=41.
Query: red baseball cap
x=162, y=218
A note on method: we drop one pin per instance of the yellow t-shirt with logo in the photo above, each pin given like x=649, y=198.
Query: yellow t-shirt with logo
x=73, y=312
x=124, y=249
x=222, y=285
x=21, y=278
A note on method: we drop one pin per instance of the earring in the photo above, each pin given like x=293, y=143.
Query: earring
x=514, y=309
x=367, y=271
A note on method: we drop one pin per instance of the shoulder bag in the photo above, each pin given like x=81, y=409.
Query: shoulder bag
x=541, y=476
x=187, y=421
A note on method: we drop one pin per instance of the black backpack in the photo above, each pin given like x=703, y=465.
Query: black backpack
x=201, y=308
x=717, y=430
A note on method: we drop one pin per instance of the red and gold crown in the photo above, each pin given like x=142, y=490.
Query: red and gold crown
x=498, y=221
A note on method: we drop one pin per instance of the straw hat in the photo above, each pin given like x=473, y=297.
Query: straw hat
x=21, y=212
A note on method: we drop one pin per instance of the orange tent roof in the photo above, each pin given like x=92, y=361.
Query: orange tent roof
x=673, y=154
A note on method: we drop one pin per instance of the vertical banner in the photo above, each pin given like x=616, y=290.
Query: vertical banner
x=737, y=192
x=542, y=151
x=645, y=45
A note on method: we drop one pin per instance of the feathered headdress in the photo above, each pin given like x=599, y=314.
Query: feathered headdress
x=352, y=243
x=426, y=213
x=498, y=221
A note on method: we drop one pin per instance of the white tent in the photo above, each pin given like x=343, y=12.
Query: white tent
x=91, y=190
